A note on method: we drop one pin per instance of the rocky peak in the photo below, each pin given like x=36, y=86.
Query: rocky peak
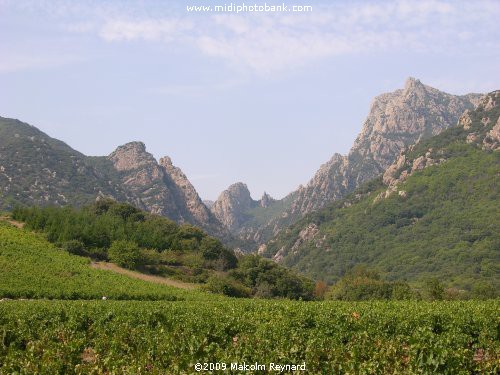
x=209, y=203
x=174, y=172
x=406, y=116
x=239, y=194
x=130, y=156
x=395, y=121
x=266, y=200
x=479, y=127
x=325, y=182
x=161, y=188
x=185, y=191
x=413, y=84
x=231, y=206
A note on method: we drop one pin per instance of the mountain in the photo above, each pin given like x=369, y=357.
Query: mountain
x=209, y=203
x=36, y=169
x=241, y=214
x=232, y=204
x=396, y=120
x=433, y=213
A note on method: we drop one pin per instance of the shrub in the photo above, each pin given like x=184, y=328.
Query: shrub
x=216, y=255
x=125, y=254
x=255, y=272
x=484, y=290
x=227, y=286
x=75, y=247
x=320, y=289
x=362, y=283
x=433, y=289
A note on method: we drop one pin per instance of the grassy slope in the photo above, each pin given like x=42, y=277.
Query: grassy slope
x=448, y=226
x=34, y=268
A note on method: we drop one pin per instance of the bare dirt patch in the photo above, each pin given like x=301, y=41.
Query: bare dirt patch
x=17, y=224
x=141, y=276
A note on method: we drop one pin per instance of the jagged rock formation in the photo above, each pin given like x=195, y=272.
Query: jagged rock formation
x=37, y=169
x=160, y=187
x=434, y=211
x=236, y=209
x=266, y=200
x=145, y=181
x=186, y=192
x=396, y=120
x=208, y=203
x=480, y=127
x=232, y=205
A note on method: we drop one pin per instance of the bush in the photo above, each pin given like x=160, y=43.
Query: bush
x=216, y=255
x=98, y=253
x=402, y=291
x=227, y=286
x=264, y=290
x=434, y=290
x=255, y=272
x=320, y=289
x=75, y=247
x=484, y=290
x=362, y=284
x=125, y=254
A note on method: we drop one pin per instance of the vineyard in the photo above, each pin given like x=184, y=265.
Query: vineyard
x=144, y=328
x=134, y=337
x=33, y=268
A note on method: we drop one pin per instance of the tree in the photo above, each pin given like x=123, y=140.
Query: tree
x=434, y=290
x=125, y=254
x=320, y=289
x=75, y=247
x=214, y=252
x=362, y=283
x=484, y=290
x=227, y=286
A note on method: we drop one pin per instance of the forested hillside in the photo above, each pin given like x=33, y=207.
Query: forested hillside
x=134, y=239
x=435, y=213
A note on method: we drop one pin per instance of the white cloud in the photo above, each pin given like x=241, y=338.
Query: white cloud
x=150, y=29
x=267, y=43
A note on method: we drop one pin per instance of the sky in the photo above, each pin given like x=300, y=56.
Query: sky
x=259, y=97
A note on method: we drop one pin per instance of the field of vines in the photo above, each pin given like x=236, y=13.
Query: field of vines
x=165, y=337
x=31, y=267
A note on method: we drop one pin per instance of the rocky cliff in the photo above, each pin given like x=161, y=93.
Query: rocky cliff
x=433, y=212
x=480, y=128
x=162, y=188
x=232, y=206
x=146, y=181
x=395, y=121
x=38, y=169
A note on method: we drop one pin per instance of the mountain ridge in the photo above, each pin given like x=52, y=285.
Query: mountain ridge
x=38, y=169
x=433, y=213
x=395, y=121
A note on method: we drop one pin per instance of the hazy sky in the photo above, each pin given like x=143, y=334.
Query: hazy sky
x=255, y=97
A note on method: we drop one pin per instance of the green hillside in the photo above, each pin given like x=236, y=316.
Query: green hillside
x=38, y=169
x=443, y=221
x=151, y=244
x=34, y=268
